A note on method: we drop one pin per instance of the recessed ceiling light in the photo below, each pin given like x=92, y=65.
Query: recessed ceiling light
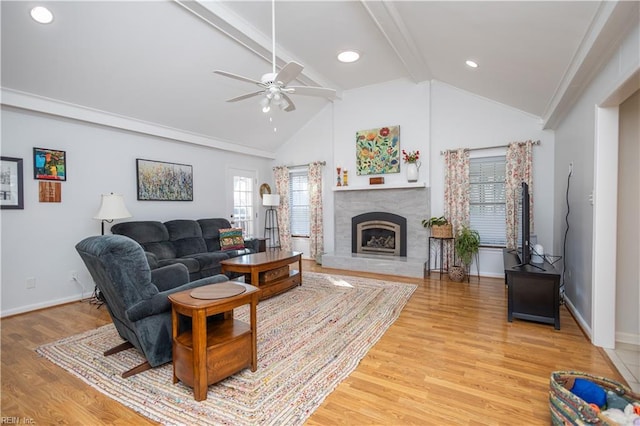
x=42, y=15
x=348, y=56
x=472, y=64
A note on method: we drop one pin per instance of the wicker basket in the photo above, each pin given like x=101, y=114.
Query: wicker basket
x=442, y=231
x=568, y=409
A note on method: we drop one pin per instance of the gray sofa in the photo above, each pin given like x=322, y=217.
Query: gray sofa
x=193, y=243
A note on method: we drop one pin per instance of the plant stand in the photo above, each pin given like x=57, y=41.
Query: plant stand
x=441, y=247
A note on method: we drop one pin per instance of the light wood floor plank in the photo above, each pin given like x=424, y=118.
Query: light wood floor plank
x=451, y=358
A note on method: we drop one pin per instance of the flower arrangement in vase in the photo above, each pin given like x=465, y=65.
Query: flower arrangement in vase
x=411, y=158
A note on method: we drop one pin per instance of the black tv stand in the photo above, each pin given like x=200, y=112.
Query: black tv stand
x=533, y=291
x=520, y=265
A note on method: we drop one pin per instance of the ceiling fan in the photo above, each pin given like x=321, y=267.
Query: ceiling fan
x=274, y=85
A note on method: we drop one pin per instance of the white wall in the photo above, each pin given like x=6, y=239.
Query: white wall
x=38, y=242
x=575, y=142
x=460, y=119
x=628, y=250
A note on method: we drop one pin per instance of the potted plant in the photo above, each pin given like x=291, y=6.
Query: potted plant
x=440, y=227
x=467, y=244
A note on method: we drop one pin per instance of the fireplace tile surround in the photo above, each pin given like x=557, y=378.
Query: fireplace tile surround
x=411, y=202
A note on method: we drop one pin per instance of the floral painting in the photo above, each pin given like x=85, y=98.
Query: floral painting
x=378, y=151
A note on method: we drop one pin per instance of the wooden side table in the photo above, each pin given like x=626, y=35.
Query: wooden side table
x=212, y=352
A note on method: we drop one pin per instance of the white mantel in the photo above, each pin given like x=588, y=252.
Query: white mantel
x=406, y=185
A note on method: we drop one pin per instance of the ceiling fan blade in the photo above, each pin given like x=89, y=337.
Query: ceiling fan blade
x=246, y=96
x=237, y=77
x=313, y=91
x=289, y=72
x=290, y=107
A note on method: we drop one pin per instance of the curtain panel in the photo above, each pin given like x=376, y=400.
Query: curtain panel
x=456, y=188
x=316, y=239
x=281, y=175
x=519, y=162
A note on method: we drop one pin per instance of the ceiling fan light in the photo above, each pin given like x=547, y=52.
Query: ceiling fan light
x=42, y=15
x=348, y=56
x=266, y=109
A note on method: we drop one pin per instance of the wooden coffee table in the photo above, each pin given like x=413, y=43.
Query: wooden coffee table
x=269, y=271
x=213, y=351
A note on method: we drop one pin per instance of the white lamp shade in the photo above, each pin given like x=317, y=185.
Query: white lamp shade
x=112, y=207
x=271, y=200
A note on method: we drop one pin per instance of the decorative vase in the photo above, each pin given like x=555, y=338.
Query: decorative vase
x=412, y=171
x=457, y=273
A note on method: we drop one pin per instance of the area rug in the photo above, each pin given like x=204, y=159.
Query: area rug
x=309, y=340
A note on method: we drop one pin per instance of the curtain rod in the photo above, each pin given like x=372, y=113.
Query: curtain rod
x=322, y=163
x=487, y=147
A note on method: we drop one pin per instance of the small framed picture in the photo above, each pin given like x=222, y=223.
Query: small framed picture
x=49, y=164
x=11, y=185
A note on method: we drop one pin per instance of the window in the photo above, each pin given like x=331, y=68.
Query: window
x=487, y=200
x=299, y=202
x=243, y=210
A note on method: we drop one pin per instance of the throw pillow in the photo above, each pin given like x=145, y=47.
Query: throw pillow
x=231, y=239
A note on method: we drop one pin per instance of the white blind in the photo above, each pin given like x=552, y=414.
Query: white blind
x=299, y=202
x=487, y=201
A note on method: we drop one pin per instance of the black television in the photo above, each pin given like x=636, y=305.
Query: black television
x=525, y=252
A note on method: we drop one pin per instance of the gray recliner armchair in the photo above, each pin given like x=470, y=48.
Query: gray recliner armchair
x=136, y=296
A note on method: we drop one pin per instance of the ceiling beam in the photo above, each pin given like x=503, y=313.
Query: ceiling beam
x=387, y=19
x=233, y=26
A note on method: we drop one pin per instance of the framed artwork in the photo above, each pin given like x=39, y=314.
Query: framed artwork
x=160, y=181
x=11, y=185
x=49, y=164
x=378, y=151
x=49, y=192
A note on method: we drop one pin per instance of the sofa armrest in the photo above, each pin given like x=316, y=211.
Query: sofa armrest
x=160, y=303
x=170, y=276
x=253, y=244
x=152, y=259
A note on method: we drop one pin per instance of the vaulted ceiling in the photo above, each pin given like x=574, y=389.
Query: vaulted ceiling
x=153, y=61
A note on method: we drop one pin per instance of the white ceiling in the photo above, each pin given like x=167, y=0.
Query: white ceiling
x=153, y=60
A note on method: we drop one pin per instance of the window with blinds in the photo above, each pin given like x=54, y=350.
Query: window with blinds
x=487, y=200
x=299, y=203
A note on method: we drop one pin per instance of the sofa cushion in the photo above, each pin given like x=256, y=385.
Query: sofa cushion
x=143, y=232
x=211, y=231
x=192, y=265
x=209, y=260
x=231, y=239
x=162, y=250
x=186, y=237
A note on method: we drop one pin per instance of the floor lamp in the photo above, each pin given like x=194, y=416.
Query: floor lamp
x=271, y=232
x=111, y=208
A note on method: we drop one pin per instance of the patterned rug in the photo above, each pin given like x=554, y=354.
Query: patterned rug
x=309, y=340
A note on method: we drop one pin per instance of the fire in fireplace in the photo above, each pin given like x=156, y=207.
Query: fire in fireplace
x=379, y=233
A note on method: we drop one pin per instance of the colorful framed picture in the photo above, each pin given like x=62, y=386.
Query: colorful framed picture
x=160, y=181
x=11, y=185
x=378, y=151
x=49, y=164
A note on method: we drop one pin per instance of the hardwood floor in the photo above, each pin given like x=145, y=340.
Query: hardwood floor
x=451, y=358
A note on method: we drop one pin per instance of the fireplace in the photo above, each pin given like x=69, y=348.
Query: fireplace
x=379, y=233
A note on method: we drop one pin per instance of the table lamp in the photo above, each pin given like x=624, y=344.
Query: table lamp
x=112, y=207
